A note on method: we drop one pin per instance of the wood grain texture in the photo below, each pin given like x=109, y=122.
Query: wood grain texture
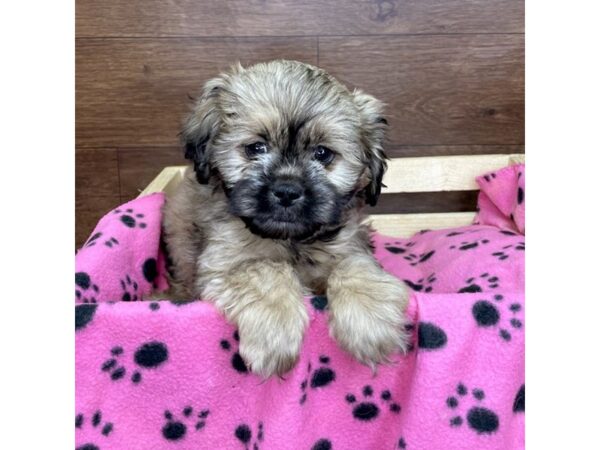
x=99, y=18
x=96, y=172
x=89, y=210
x=441, y=173
x=405, y=225
x=139, y=166
x=401, y=151
x=134, y=92
x=425, y=202
x=439, y=90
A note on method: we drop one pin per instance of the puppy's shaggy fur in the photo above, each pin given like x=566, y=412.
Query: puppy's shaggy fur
x=284, y=158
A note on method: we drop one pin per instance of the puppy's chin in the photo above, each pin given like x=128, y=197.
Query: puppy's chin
x=270, y=227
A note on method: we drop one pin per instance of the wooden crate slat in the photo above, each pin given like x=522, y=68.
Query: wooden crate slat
x=405, y=225
x=441, y=173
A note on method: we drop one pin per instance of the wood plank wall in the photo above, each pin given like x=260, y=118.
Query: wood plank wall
x=450, y=71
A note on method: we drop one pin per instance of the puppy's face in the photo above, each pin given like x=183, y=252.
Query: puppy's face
x=291, y=147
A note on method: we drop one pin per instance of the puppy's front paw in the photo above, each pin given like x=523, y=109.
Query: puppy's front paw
x=368, y=312
x=271, y=338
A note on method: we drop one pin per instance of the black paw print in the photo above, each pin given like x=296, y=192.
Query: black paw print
x=423, y=284
x=111, y=242
x=154, y=306
x=174, y=430
x=489, y=177
x=367, y=409
x=244, y=434
x=105, y=428
x=92, y=240
x=150, y=271
x=130, y=219
x=480, y=419
x=486, y=314
x=520, y=195
x=490, y=282
x=319, y=302
x=465, y=245
x=397, y=248
x=130, y=290
x=502, y=255
x=85, y=291
x=321, y=377
x=519, y=403
x=84, y=315
x=430, y=336
x=236, y=360
x=322, y=444
x=148, y=356
x=414, y=259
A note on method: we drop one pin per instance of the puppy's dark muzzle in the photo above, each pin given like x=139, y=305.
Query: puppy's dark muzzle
x=287, y=193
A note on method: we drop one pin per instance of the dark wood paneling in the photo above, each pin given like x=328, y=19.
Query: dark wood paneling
x=448, y=150
x=96, y=172
x=439, y=90
x=88, y=210
x=425, y=202
x=139, y=166
x=295, y=17
x=134, y=92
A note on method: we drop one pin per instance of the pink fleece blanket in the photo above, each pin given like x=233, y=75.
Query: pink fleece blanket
x=157, y=375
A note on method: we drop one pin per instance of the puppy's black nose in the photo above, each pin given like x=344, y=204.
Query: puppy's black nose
x=287, y=192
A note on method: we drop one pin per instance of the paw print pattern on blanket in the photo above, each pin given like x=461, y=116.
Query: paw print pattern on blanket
x=130, y=290
x=130, y=218
x=481, y=420
x=487, y=315
x=243, y=433
x=92, y=240
x=102, y=428
x=397, y=248
x=150, y=271
x=236, y=359
x=84, y=314
x=86, y=291
x=367, y=410
x=422, y=284
x=412, y=258
x=443, y=327
x=431, y=336
x=504, y=254
x=519, y=403
x=112, y=367
x=466, y=245
x=174, y=430
x=319, y=302
x=150, y=355
x=321, y=377
x=322, y=444
x=473, y=284
x=111, y=242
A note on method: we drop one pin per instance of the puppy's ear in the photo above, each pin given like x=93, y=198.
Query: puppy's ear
x=201, y=126
x=373, y=128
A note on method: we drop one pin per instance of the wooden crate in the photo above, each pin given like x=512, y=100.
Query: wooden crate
x=424, y=174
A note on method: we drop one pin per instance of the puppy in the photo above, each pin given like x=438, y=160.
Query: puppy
x=284, y=158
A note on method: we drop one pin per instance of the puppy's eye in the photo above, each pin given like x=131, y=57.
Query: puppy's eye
x=258, y=148
x=323, y=155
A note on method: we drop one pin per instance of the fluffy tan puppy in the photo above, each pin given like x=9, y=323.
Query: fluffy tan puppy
x=284, y=159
